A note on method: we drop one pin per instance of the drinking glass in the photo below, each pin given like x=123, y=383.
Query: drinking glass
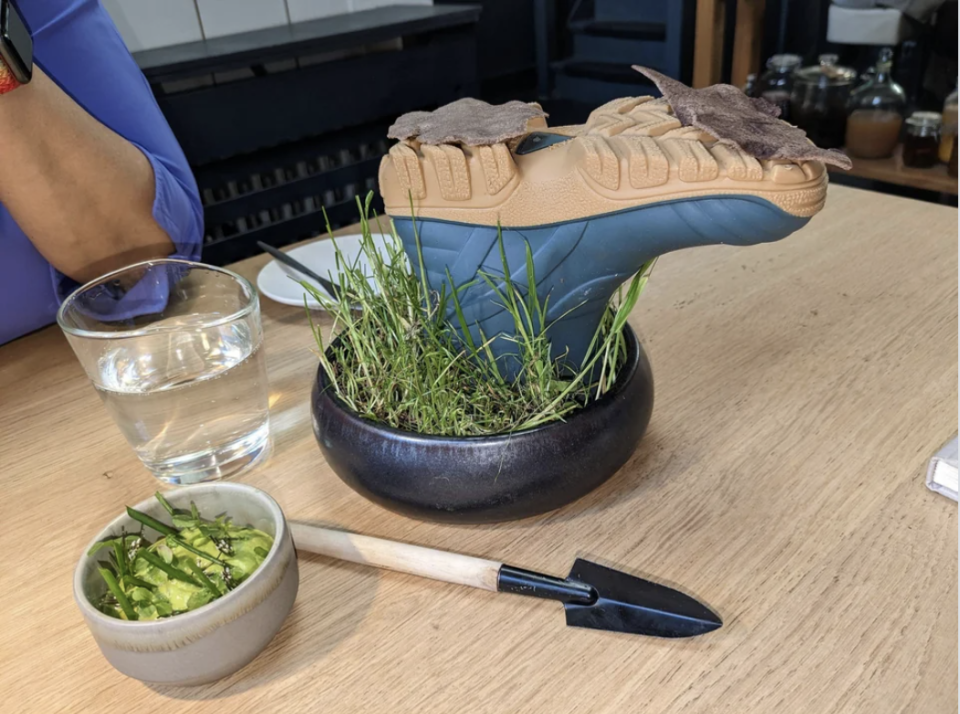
x=174, y=349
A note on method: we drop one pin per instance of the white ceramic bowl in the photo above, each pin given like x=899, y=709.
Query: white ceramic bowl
x=219, y=638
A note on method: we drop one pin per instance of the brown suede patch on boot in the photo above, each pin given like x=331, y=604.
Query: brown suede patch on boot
x=732, y=117
x=467, y=121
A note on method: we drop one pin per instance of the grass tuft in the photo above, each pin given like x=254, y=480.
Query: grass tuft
x=397, y=361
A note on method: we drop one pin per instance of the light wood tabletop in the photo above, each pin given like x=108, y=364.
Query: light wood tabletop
x=801, y=388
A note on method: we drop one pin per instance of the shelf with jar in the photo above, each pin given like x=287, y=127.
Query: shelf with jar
x=866, y=117
x=892, y=170
x=885, y=144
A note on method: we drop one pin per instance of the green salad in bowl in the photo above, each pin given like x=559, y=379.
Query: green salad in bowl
x=194, y=561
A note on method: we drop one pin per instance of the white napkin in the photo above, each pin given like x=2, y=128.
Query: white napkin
x=942, y=472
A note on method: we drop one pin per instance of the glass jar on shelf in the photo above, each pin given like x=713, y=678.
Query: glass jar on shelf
x=776, y=83
x=867, y=74
x=921, y=143
x=948, y=135
x=818, y=103
x=876, y=113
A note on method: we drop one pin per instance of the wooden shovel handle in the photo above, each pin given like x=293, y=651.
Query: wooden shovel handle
x=402, y=557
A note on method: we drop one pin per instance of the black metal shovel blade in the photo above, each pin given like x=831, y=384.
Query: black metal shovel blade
x=629, y=604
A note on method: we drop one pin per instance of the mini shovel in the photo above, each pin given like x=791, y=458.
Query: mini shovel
x=592, y=595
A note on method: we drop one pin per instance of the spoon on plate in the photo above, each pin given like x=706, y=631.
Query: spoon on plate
x=331, y=287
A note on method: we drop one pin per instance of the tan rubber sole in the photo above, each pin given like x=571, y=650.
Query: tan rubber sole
x=631, y=152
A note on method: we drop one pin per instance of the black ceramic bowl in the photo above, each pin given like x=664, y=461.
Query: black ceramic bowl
x=481, y=479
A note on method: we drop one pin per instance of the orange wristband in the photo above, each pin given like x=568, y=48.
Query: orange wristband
x=7, y=81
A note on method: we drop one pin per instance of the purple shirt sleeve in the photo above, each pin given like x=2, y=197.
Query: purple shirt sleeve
x=78, y=46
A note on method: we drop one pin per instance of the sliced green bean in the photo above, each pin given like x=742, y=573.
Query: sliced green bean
x=118, y=593
x=134, y=580
x=164, y=502
x=196, y=551
x=121, y=559
x=202, y=577
x=151, y=522
x=171, y=570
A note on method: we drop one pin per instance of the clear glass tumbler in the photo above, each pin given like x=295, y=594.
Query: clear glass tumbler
x=175, y=352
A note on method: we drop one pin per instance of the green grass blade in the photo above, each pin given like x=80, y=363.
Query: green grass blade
x=399, y=361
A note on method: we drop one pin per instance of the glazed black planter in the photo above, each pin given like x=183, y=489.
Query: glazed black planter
x=482, y=479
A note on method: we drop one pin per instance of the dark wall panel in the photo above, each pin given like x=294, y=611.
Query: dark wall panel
x=505, y=36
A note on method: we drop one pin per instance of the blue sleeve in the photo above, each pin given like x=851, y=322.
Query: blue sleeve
x=78, y=46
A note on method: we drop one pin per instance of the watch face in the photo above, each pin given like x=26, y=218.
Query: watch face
x=16, y=45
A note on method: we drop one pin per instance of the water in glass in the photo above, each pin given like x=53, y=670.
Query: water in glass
x=189, y=388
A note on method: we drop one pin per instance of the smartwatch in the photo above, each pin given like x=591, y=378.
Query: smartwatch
x=16, y=48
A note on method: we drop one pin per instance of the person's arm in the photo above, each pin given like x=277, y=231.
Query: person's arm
x=89, y=168
x=82, y=193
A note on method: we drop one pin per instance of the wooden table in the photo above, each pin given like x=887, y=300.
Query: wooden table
x=893, y=171
x=801, y=388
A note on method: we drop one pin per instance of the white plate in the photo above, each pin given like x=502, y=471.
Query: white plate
x=281, y=283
